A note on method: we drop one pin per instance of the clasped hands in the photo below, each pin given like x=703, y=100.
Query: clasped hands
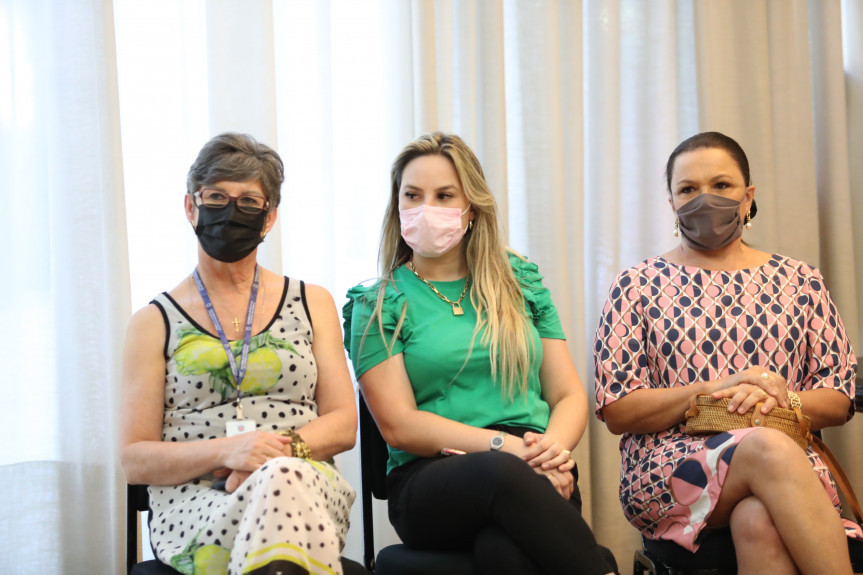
x=747, y=388
x=548, y=457
x=247, y=452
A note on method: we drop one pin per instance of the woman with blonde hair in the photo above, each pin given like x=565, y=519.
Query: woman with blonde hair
x=462, y=360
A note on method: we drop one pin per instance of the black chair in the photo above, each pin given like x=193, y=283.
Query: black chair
x=138, y=500
x=714, y=557
x=398, y=559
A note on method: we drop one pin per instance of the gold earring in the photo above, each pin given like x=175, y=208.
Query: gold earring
x=676, y=227
x=748, y=223
x=469, y=225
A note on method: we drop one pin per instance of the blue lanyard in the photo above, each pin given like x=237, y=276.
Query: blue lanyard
x=238, y=372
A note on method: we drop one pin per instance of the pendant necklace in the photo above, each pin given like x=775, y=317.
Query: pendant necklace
x=456, y=305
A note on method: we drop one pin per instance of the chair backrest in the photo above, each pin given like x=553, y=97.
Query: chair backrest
x=373, y=450
x=373, y=457
x=137, y=499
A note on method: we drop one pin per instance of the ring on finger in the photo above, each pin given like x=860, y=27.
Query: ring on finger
x=765, y=376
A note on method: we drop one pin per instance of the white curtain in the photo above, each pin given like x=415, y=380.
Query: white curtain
x=572, y=106
x=65, y=289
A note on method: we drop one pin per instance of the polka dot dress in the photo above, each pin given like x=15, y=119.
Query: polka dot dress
x=667, y=326
x=292, y=514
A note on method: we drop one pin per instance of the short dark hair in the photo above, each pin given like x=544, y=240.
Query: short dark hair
x=712, y=140
x=234, y=157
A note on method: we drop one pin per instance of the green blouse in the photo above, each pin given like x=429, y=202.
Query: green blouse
x=435, y=343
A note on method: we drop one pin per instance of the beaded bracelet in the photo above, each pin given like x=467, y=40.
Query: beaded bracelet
x=298, y=446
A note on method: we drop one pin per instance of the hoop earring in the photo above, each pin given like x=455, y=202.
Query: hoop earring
x=748, y=223
x=676, y=227
x=469, y=225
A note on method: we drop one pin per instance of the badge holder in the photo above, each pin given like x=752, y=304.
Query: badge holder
x=239, y=426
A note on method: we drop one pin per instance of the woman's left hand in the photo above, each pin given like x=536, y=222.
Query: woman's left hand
x=552, y=455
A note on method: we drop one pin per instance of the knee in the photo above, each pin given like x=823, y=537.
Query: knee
x=290, y=476
x=770, y=452
x=752, y=526
x=501, y=471
x=494, y=466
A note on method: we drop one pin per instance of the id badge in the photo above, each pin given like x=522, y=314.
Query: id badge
x=238, y=426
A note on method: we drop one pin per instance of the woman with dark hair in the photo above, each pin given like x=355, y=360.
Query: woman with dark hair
x=236, y=391
x=717, y=316
x=459, y=350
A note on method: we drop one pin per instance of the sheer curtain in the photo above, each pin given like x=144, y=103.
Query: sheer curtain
x=65, y=288
x=572, y=107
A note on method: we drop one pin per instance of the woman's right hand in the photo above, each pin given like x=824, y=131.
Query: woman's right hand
x=562, y=481
x=249, y=451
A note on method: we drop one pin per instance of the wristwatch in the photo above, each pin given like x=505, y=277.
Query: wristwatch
x=496, y=442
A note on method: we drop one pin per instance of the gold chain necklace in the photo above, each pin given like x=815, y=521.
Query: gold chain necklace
x=456, y=305
x=236, y=321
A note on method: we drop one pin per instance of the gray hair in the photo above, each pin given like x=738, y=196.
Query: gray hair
x=233, y=157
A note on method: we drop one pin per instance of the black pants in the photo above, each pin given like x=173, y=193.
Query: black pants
x=495, y=505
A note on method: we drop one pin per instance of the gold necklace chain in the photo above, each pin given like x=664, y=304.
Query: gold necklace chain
x=236, y=322
x=456, y=305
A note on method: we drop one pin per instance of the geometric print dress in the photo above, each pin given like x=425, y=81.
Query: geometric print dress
x=291, y=514
x=664, y=326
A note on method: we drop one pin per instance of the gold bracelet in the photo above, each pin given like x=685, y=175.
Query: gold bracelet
x=298, y=446
x=795, y=400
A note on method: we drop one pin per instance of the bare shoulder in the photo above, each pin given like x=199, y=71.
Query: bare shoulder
x=148, y=315
x=146, y=325
x=318, y=297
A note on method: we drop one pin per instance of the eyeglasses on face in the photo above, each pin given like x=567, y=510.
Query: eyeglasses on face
x=217, y=199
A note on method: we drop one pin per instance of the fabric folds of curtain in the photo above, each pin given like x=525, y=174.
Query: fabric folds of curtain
x=66, y=294
x=572, y=107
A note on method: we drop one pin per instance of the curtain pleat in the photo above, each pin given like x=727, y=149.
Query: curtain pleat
x=63, y=495
x=572, y=107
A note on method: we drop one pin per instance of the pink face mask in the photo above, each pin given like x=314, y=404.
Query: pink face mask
x=432, y=231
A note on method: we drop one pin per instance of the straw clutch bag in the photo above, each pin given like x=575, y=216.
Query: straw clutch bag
x=706, y=416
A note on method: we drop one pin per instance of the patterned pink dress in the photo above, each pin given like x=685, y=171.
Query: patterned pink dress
x=665, y=325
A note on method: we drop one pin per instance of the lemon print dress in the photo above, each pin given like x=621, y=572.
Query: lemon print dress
x=289, y=516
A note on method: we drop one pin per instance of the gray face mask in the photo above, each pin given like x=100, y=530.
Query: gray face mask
x=710, y=222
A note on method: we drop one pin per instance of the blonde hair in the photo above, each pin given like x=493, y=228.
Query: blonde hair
x=495, y=293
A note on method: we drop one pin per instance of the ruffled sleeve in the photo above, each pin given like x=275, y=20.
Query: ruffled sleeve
x=537, y=298
x=365, y=341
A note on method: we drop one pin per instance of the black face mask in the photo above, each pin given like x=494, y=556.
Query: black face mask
x=227, y=234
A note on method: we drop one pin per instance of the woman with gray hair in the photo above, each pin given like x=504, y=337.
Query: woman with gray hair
x=236, y=391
